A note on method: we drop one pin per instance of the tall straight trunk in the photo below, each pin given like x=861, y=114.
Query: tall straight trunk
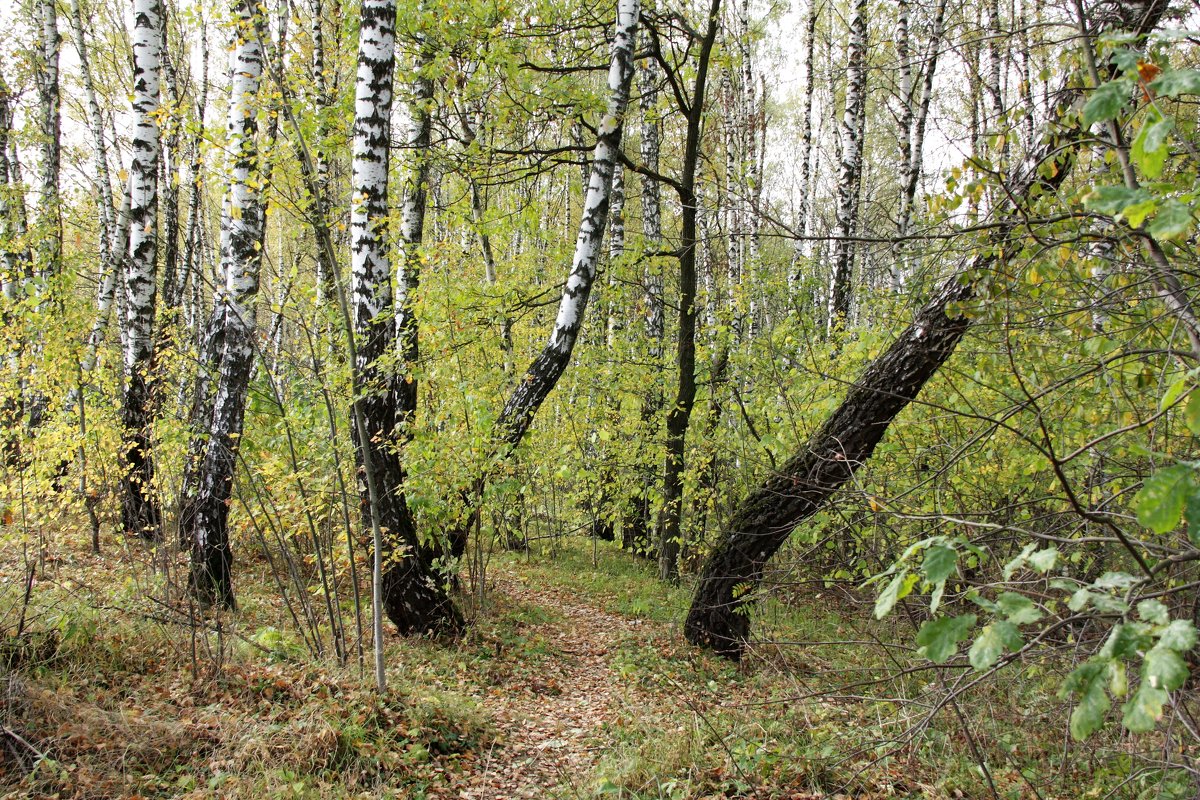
x=10, y=254
x=192, y=226
x=913, y=124
x=50, y=141
x=804, y=204
x=718, y=618
x=324, y=103
x=169, y=232
x=850, y=171
x=637, y=528
x=139, y=508
x=104, y=198
x=408, y=269
x=685, y=352
x=242, y=228
x=490, y=273
x=995, y=66
x=410, y=592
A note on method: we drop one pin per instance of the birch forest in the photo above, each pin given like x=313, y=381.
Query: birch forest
x=659, y=400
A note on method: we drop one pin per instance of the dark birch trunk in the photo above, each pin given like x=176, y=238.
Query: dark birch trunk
x=685, y=355
x=718, y=618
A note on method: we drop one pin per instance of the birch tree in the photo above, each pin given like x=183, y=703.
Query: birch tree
x=850, y=171
x=140, y=510
x=540, y=378
x=542, y=375
x=410, y=590
x=242, y=229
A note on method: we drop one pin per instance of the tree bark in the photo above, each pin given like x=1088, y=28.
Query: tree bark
x=850, y=173
x=548, y=367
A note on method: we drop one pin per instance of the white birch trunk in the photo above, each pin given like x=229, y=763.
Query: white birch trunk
x=242, y=229
x=140, y=513
x=546, y=369
x=850, y=172
x=407, y=588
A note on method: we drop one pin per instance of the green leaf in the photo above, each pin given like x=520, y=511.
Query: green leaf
x=1173, y=220
x=1174, y=82
x=1043, y=560
x=1191, y=515
x=1154, y=612
x=1144, y=709
x=1107, y=101
x=1125, y=640
x=1113, y=200
x=1126, y=59
x=992, y=642
x=1179, y=636
x=1164, y=669
x=1115, y=580
x=1088, y=682
x=1173, y=393
x=1136, y=214
x=938, y=638
x=1191, y=414
x=1149, y=149
x=939, y=563
x=1159, y=503
x=1019, y=609
x=896, y=590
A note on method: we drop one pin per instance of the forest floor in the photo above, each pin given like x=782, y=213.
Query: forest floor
x=572, y=682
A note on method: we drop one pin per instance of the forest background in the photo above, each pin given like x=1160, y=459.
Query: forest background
x=856, y=339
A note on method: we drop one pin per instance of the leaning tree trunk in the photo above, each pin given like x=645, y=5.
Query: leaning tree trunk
x=850, y=172
x=718, y=618
x=542, y=375
x=242, y=228
x=139, y=508
x=548, y=367
x=412, y=594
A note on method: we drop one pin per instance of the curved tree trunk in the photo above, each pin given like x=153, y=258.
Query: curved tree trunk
x=542, y=375
x=718, y=618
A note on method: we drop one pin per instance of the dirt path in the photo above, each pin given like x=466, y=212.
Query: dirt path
x=548, y=731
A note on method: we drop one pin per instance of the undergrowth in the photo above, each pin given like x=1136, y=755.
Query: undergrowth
x=108, y=691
